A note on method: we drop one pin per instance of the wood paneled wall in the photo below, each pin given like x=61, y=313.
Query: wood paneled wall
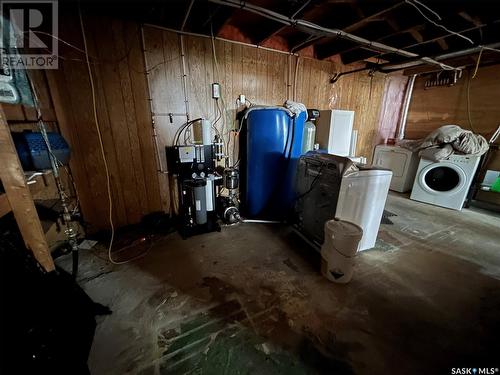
x=123, y=108
x=124, y=118
x=437, y=106
x=20, y=113
x=265, y=77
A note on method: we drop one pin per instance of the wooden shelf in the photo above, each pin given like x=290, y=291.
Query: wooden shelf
x=18, y=198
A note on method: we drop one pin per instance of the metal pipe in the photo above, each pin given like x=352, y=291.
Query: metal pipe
x=187, y=15
x=221, y=39
x=406, y=106
x=256, y=221
x=335, y=32
x=464, y=52
x=301, y=8
x=150, y=100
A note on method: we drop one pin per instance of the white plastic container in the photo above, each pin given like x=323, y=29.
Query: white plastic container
x=362, y=199
x=339, y=249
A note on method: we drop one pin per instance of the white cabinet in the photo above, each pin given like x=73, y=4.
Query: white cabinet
x=334, y=131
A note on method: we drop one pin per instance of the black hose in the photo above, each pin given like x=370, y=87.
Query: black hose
x=177, y=134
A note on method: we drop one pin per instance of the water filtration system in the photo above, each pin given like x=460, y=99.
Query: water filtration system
x=201, y=183
x=271, y=142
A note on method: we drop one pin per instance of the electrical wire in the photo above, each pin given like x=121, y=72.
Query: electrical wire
x=477, y=63
x=96, y=60
x=429, y=9
x=99, y=136
x=469, y=115
x=414, y=3
x=225, y=132
x=470, y=77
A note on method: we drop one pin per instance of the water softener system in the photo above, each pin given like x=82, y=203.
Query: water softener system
x=270, y=145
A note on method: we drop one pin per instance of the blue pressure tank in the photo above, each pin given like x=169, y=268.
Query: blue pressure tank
x=273, y=143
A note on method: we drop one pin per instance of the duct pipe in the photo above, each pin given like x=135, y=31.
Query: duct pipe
x=317, y=28
x=406, y=106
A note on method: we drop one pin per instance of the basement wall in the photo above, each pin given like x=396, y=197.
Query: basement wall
x=437, y=106
x=123, y=106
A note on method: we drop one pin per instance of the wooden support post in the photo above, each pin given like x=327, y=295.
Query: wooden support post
x=20, y=200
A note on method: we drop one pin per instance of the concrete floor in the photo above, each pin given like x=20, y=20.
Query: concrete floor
x=251, y=300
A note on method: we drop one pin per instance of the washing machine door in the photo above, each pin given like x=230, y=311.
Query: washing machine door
x=442, y=178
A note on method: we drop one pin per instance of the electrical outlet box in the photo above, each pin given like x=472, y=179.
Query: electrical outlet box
x=215, y=90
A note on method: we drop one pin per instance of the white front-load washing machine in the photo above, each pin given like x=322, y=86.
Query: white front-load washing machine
x=445, y=183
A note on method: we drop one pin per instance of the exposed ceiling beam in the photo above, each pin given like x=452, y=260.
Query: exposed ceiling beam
x=371, y=18
x=217, y=19
x=279, y=29
x=459, y=58
x=336, y=50
x=305, y=43
x=274, y=33
x=474, y=20
x=445, y=36
x=355, y=55
x=314, y=28
x=379, y=16
x=465, y=61
x=416, y=35
x=442, y=43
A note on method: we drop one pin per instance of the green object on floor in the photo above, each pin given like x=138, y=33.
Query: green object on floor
x=496, y=186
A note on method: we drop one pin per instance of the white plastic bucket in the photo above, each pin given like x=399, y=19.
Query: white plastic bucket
x=339, y=249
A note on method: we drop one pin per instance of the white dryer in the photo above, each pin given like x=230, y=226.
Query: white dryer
x=402, y=162
x=445, y=183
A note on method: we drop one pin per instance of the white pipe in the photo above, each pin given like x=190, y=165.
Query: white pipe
x=184, y=75
x=405, y=108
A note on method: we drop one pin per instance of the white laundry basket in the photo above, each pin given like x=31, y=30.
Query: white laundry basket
x=339, y=249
